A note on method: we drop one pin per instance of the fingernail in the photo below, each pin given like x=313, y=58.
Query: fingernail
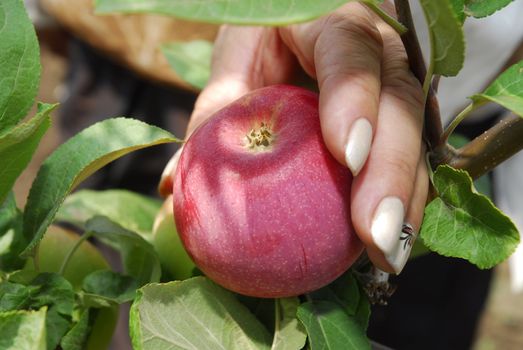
x=406, y=240
x=358, y=145
x=387, y=224
x=165, y=184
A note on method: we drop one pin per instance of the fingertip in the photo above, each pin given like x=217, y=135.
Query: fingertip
x=394, y=231
x=358, y=145
x=165, y=186
x=395, y=259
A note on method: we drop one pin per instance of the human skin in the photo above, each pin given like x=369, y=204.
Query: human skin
x=370, y=108
x=260, y=204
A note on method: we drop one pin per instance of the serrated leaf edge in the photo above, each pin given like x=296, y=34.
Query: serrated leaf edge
x=82, y=176
x=480, y=196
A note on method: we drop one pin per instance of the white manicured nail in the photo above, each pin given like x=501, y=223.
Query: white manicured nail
x=387, y=224
x=358, y=145
x=406, y=240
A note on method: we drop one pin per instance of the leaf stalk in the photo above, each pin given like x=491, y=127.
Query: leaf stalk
x=71, y=252
x=391, y=21
x=457, y=120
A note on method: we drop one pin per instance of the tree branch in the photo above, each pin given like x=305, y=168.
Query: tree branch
x=432, y=120
x=481, y=154
x=486, y=151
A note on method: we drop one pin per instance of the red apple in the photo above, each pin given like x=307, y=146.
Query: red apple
x=260, y=204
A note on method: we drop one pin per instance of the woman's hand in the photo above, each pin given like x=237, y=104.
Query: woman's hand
x=371, y=109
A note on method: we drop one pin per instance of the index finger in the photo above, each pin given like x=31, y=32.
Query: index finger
x=343, y=51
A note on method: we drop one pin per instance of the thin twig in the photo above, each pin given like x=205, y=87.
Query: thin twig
x=481, y=154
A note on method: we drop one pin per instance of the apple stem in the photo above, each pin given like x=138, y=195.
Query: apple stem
x=72, y=251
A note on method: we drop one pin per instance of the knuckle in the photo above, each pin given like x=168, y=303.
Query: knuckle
x=400, y=165
x=402, y=85
x=350, y=31
x=397, y=78
x=358, y=28
x=348, y=49
x=362, y=81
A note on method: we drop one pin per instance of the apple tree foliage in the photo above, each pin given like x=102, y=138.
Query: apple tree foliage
x=41, y=310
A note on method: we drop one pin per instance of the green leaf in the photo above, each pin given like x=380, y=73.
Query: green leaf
x=11, y=238
x=289, y=333
x=138, y=256
x=75, y=160
x=47, y=289
x=484, y=8
x=227, y=11
x=458, y=6
x=193, y=314
x=446, y=37
x=22, y=276
x=133, y=211
x=19, y=63
x=57, y=326
x=506, y=90
x=330, y=327
x=347, y=292
x=113, y=287
x=344, y=291
x=18, y=145
x=14, y=296
x=8, y=213
x=362, y=315
x=76, y=337
x=263, y=309
x=190, y=60
x=56, y=293
x=464, y=224
x=22, y=330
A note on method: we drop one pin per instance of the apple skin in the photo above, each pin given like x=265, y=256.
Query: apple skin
x=265, y=222
x=54, y=247
x=167, y=244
